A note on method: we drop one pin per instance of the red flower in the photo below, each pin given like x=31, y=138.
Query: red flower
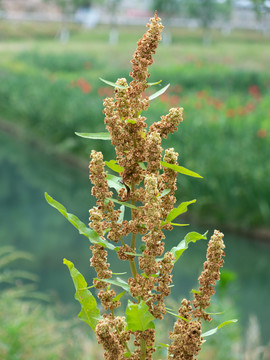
x=230, y=113
x=254, y=91
x=262, y=133
x=84, y=85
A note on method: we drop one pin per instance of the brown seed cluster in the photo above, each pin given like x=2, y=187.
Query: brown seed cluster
x=186, y=335
x=111, y=334
x=210, y=275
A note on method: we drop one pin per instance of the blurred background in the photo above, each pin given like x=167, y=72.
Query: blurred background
x=216, y=57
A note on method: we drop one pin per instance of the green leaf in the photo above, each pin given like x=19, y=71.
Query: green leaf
x=164, y=192
x=193, y=291
x=97, y=136
x=133, y=254
x=83, y=229
x=114, y=182
x=118, y=297
x=138, y=317
x=112, y=164
x=174, y=224
x=213, y=331
x=154, y=83
x=183, y=245
x=121, y=217
x=122, y=273
x=180, y=169
x=217, y=313
x=89, y=310
x=122, y=203
x=181, y=209
x=158, y=93
x=113, y=84
x=178, y=316
x=142, y=165
x=131, y=121
x=164, y=345
x=117, y=282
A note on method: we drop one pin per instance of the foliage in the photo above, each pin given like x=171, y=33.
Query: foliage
x=29, y=326
x=149, y=184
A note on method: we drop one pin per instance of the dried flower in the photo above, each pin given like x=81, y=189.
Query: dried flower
x=186, y=335
x=209, y=276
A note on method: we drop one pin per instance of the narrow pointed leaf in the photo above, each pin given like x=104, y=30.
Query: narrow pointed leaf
x=122, y=273
x=154, y=83
x=138, y=317
x=178, y=316
x=193, y=291
x=113, y=84
x=181, y=209
x=89, y=310
x=97, y=136
x=217, y=313
x=78, y=224
x=180, y=169
x=131, y=121
x=112, y=164
x=213, y=331
x=117, y=282
x=164, y=345
x=158, y=93
x=183, y=245
x=174, y=224
x=133, y=254
x=114, y=182
x=122, y=203
x=118, y=297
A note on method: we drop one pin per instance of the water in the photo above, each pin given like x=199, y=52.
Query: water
x=30, y=224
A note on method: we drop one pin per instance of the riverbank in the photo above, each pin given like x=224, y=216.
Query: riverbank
x=19, y=133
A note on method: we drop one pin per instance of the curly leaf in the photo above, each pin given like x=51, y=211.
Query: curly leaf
x=89, y=311
x=75, y=221
x=181, y=209
x=213, y=331
x=158, y=93
x=183, y=245
x=180, y=169
x=138, y=317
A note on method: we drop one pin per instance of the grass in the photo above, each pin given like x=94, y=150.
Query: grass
x=52, y=90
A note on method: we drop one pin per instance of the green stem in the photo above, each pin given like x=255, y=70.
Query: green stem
x=133, y=241
x=143, y=349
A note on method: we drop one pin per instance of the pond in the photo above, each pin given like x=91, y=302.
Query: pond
x=30, y=224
